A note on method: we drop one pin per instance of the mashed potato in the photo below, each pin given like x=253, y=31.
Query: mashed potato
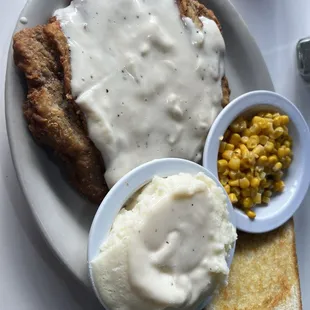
x=167, y=249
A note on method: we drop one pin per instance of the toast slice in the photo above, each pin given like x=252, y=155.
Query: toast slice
x=264, y=273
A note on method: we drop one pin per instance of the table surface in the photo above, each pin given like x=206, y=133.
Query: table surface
x=31, y=277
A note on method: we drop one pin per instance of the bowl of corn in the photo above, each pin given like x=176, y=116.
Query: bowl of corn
x=258, y=148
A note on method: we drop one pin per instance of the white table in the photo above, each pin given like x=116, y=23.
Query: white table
x=30, y=276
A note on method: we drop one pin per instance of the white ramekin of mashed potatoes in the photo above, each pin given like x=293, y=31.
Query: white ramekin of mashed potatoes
x=169, y=245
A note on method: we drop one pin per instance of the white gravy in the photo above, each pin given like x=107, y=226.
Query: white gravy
x=148, y=83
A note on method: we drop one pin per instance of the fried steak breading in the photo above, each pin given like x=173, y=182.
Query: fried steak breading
x=53, y=117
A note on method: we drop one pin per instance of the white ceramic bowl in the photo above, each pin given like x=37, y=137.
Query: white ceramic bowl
x=125, y=188
x=297, y=178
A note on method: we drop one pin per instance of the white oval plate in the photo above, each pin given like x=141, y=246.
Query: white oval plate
x=63, y=216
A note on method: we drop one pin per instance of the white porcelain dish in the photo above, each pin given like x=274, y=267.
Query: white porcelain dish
x=63, y=216
x=297, y=179
x=126, y=187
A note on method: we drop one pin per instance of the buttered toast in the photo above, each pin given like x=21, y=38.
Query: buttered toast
x=264, y=273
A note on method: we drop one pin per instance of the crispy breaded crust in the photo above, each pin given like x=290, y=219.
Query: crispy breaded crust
x=51, y=120
x=57, y=38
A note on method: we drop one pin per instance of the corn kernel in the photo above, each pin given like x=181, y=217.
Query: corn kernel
x=272, y=160
x=233, y=182
x=278, y=175
x=234, y=164
x=263, y=160
x=287, y=143
x=246, y=133
x=233, y=198
x=269, y=146
x=229, y=147
x=256, y=119
x=247, y=202
x=249, y=176
x=277, y=121
x=284, y=119
x=287, y=151
x=268, y=115
x=262, y=175
x=246, y=192
x=278, y=132
x=244, y=183
x=269, y=128
x=281, y=152
x=253, y=192
x=277, y=145
x=237, y=153
x=255, y=182
x=268, y=184
x=244, y=139
x=233, y=175
x=222, y=165
x=277, y=167
x=253, y=142
x=252, y=158
x=286, y=162
x=240, y=175
x=243, y=125
x=235, y=190
x=223, y=180
x=235, y=139
x=244, y=150
x=279, y=186
x=267, y=193
x=248, y=161
x=263, y=183
x=263, y=123
x=258, y=198
x=258, y=150
x=255, y=129
x=226, y=172
x=251, y=214
x=227, y=188
x=245, y=164
x=236, y=126
x=263, y=139
x=222, y=147
x=275, y=115
x=265, y=199
x=227, y=154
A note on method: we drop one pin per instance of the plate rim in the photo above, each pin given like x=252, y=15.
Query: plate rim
x=226, y=7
